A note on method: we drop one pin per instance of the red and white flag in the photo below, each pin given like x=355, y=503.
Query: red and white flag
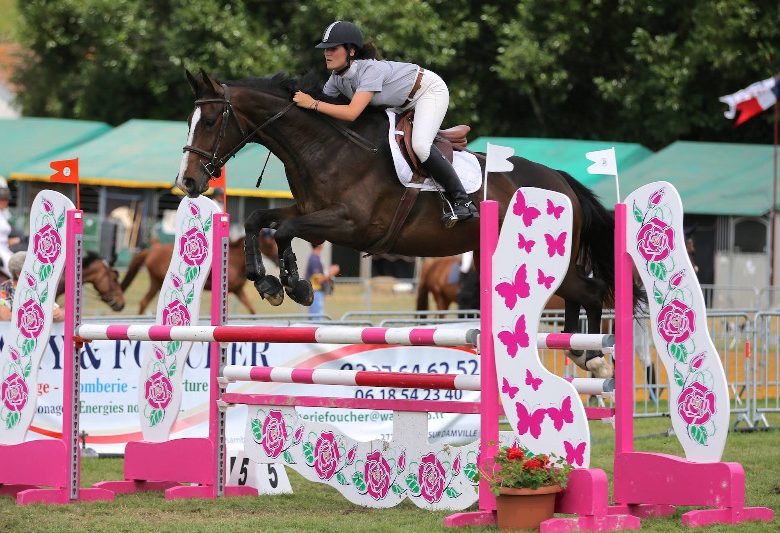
x=67, y=171
x=752, y=100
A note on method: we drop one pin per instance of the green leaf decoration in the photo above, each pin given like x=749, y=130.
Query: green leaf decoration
x=173, y=347
x=637, y=213
x=257, y=429
x=452, y=493
x=27, y=369
x=699, y=434
x=411, y=482
x=190, y=296
x=207, y=225
x=288, y=458
x=12, y=420
x=678, y=377
x=156, y=417
x=657, y=295
x=191, y=273
x=28, y=346
x=45, y=272
x=395, y=487
x=658, y=270
x=471, y=471
x=172, y=370
x=679, y=352
x=61, y=220
x=341, y=478
x=45, y=295
x=308, y=452
x=359, y=482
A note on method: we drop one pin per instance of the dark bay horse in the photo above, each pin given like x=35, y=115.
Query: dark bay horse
x=347, y=193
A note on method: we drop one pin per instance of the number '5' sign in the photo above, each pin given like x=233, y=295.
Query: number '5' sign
x=266, y=478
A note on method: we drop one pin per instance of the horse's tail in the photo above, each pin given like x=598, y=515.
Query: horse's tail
x=596, y=251
x=422, y=286
x=132, y=269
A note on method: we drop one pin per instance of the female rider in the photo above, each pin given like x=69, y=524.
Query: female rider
x=356, y=74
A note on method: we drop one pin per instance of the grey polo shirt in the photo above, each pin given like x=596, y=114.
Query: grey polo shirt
x=390, y=81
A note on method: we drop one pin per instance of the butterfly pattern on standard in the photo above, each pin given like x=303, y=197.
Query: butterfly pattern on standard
x=531, y=258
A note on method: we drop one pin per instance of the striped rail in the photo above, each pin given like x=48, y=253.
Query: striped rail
x=329, y=335
x=367, y=378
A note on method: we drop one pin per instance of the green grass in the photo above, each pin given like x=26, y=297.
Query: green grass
x=316, y=507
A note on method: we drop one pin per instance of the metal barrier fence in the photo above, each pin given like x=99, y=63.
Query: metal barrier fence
x=753, y=373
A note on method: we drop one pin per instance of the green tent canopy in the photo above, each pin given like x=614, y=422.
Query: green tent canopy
x=712, y=178
x=568, y=154
x=29, y=138
x=147, y=153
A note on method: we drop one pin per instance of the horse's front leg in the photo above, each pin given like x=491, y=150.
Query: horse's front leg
x=269, y=287
x=331, y=223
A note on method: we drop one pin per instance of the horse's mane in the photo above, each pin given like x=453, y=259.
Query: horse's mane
x=280, y=84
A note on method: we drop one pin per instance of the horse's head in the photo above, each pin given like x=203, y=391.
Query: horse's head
x=105, y=279
x=217, y=130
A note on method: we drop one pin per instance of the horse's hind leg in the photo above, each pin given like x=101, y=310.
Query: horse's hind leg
x=578, y=290
x=244, y=299
x=269, y=287
x=154, y=288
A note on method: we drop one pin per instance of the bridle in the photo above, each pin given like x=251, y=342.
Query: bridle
x=215, y=164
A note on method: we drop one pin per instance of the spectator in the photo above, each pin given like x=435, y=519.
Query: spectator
x=5, y=227
x=321, y=283
x=8, y=289
x=219, y=196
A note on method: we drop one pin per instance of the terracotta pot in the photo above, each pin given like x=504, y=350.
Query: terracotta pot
x=525, y=508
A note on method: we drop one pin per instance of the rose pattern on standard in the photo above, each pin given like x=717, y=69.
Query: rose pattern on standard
x=690, y=359
x=177, y=307
x=32, y=317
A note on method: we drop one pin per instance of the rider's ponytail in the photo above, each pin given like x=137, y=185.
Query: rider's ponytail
x=369, y=51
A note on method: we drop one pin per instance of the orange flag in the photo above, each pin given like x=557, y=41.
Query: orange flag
x=67, y=171
x=221, y=181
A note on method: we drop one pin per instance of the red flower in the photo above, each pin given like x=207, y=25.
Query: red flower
x=515, y=454
x=532, y=464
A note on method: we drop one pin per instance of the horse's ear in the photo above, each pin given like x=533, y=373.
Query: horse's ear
x=210, y=85
x=193, y=82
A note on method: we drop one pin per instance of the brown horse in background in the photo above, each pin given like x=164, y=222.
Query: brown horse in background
x=435, y=280
x=158, y=257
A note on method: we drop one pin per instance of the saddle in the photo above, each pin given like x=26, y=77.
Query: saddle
x=447, y=141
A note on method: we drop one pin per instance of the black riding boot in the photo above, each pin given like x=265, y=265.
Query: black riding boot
x=441, y=170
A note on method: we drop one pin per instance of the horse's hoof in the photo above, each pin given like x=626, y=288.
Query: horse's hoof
x=577, y=357
x=270, y=289
x=601, y=367
x=301, y=292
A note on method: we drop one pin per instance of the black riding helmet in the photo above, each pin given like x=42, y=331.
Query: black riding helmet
x=341, y=32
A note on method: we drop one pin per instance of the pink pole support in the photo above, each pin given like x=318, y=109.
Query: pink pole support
x=74, y=227
x=218, y=358
x=488, y=240
x=624, y=338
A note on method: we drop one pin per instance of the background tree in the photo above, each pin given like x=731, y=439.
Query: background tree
x=622, y=70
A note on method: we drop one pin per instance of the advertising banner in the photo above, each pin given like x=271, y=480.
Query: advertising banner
x=110, y=373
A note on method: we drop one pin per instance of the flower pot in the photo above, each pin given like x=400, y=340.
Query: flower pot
x=525, y=508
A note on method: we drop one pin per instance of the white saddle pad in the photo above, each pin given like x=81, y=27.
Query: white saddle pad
x=465, y=164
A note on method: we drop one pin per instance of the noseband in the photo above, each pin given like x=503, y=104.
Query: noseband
x=215, y=164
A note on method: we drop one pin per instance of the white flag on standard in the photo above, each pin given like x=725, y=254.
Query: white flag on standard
x=603, y=162
x=498, y=158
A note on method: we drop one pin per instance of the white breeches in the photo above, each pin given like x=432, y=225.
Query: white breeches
x=430, y=105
